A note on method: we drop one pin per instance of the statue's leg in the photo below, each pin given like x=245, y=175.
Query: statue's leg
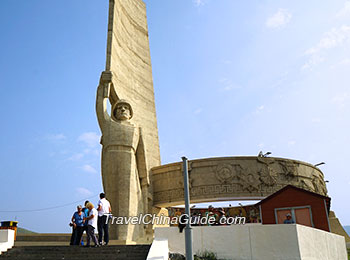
x=122, y=187
x=109, y=180
x=130, y=197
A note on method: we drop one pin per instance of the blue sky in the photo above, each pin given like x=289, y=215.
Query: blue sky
x=230, y=78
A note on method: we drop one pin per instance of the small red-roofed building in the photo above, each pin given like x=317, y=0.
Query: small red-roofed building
x=305, y=207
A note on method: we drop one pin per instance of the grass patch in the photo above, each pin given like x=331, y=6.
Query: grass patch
x=23, y=231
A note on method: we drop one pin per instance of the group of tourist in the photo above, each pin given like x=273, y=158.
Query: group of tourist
x=89, y=219
x=215, y=214
x=217, y=217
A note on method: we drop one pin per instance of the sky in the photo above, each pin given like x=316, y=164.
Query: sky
x=230, y=78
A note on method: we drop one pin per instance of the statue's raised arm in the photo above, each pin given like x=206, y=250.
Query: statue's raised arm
x=103, y=93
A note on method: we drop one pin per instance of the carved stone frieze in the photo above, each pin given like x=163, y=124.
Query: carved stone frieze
x=224, y=173
x=319, y=185
x=289, y=170
x=250, y=182
x=217, y=179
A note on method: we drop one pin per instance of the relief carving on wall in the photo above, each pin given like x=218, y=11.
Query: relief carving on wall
x=250, y=182
x=224, y=173
x=221, y=179
x=319, y=185
x=306, y=185
x=289, y=170
x=267, y=175
x=227, y=173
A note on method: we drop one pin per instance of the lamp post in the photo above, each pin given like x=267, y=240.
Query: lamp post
x=188, y=229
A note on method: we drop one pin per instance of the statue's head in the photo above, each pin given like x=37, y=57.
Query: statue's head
x=122, y=110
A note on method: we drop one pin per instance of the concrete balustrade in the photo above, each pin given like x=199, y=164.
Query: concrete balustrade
x=7, y=239
x=259, y=242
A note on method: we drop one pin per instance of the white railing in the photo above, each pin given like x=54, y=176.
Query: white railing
x=7, y=239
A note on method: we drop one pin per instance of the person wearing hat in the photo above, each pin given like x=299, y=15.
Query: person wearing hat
x=289, y=219
x=78, y=225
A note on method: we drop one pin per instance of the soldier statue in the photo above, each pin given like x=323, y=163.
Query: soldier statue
x=124, y=167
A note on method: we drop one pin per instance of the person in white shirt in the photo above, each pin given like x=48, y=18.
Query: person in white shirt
x=104, y=210
x=92, y=225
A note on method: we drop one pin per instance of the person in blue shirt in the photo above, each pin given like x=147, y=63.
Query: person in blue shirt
x=78, y=224
x=86, y=213
x=289, y=219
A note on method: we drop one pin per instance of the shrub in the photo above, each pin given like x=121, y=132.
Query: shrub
x=206, y=255
x=176, y=257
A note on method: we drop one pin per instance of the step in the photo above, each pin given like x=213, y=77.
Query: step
x=118, y=252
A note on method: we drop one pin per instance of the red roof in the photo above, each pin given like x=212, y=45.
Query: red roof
x=328, y=199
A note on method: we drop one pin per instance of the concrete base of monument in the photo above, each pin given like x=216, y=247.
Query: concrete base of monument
x=259, y=242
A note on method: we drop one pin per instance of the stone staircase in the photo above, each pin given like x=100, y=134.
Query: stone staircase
x=117, y=252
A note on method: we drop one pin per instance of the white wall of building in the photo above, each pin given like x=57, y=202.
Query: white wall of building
x=259, y=242
x=7, y=239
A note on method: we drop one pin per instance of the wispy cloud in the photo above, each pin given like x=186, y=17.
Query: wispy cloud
x=83, y=191
x=259, y=109
x=291, y=143
x=56, y=137
x=89, y=138
x=345, y=11
x=341, y=100
x=313, y=61
x=198, y=2
x=198, y=111
x=279, y=20
x=344, y=62
x=228, y=84
x=88, y=168
x=334, y=38
x=76, y=157
x=316, y=120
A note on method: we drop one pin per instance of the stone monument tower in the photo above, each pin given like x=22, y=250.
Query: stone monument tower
x=130, y=146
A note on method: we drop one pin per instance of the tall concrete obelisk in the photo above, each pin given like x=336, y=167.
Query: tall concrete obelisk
x=130, y=146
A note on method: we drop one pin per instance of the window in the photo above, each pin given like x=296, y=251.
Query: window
x=300, y=215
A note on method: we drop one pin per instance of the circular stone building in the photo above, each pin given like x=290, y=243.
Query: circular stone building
x=233, y=178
